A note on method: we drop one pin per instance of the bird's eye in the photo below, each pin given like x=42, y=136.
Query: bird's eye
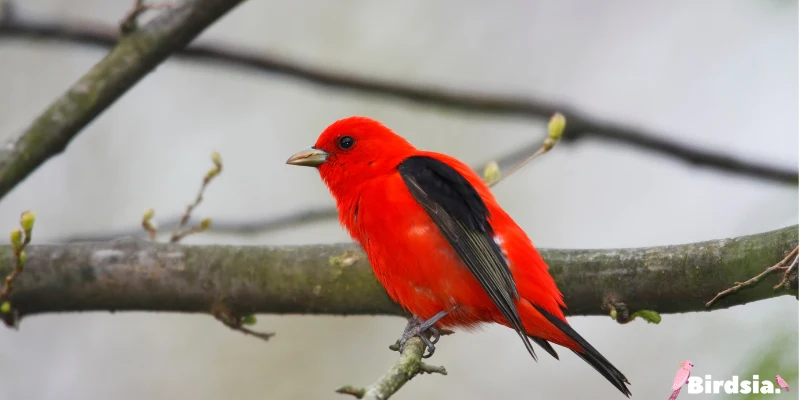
x=346, y=142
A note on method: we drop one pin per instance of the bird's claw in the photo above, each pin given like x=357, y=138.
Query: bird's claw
x=417, y=327
x=416, y=331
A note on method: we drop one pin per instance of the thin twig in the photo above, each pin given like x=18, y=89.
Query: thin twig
x=492, y=174
x=148, y=226
x=787, y=275
x=181, y=232
x=244, y=226
x=18, y=266
x=754, y=280
x=20, y=238
x=582, y=125
x=225, y=314
x=353, y=391
x=407, y=366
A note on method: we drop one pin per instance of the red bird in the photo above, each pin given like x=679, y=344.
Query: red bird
x=438, y=241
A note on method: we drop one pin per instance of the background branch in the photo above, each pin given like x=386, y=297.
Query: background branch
x=580, y=125
x=246, y=226
x=337, y=279
x=130, y=59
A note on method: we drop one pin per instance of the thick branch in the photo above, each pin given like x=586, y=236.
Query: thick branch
x=130, y=59
x=580, y=124
x=336, y=278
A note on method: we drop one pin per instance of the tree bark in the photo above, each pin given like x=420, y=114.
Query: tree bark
x=129, y=274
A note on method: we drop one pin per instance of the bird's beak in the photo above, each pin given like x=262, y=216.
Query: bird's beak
x=309, y=157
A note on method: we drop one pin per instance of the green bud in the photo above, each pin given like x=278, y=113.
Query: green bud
x=205, y=224
x=249, y=320
x=211, y=173
x=613, y=313
x=5, y=308
x=217, y=160
x=26, y=220
x=148, y=214
x=23, y=256
x=491, y=173
x=16, y=239
x=555, y=128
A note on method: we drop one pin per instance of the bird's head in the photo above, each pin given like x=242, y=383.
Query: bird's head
x=352, y=151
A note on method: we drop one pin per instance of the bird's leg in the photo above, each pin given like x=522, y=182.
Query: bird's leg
x=412, y=322
x=417, y=327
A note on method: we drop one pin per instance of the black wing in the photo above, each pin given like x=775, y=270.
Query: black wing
x=462, y=217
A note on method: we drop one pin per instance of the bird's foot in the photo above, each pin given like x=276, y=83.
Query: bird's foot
x=422, y=329
x=423, y=335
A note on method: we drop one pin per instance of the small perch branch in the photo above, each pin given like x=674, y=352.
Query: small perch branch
x=581, y=124
x=407, y=366
x=336, y=279
x=130, y=59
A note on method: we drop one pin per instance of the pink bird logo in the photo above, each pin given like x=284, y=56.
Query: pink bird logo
x=681, y=378
x=781, y=383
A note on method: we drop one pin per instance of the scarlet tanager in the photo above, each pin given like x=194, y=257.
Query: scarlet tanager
x=438, y=241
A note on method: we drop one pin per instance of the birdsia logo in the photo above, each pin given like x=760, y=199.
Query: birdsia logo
x=698, y=385
x=755, y=385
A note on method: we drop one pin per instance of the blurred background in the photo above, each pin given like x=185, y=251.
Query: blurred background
x=718, y=75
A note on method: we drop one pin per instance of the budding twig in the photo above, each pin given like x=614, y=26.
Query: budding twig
x=19, y=239
x=182, y=232
x=555, y=128
x=233, y=320
x=781, y=265
x=219, y=310
x=148, y=226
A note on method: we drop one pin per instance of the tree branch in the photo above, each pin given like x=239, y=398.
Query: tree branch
x=247, y=226
x=407, y=366
x=130, y=59
x=580, y=125
x=337, y=279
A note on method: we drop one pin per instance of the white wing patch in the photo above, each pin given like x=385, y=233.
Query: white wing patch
x=499, y=241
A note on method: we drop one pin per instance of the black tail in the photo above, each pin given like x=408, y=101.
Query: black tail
x=589, y=354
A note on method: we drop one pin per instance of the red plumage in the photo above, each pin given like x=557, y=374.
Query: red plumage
x=418, y=265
